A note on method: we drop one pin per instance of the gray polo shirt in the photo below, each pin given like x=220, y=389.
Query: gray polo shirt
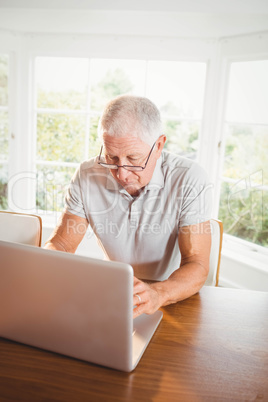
x=143, y=230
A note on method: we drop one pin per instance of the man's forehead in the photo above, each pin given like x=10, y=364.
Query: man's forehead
x=127, y=144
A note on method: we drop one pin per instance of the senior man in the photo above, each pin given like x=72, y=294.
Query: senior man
x=147, y=207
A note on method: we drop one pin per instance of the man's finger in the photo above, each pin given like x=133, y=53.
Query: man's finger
x=137, y=311
x=139, y=298
x=139, y=301
x=139, y=287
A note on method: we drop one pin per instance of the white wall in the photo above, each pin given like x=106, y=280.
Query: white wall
x=166, y=18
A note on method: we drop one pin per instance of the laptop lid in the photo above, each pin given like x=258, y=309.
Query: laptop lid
x=70, y=304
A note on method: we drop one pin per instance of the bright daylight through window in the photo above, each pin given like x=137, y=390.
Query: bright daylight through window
x=244, y=189
x=4, y=131
x=70, y=96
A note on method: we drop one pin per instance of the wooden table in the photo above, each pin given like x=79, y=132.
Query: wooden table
x=211, y=347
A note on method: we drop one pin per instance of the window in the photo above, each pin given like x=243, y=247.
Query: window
x=71, y=94
x=244, y=189
x=178, y=88
x=4, y=131
x=62, y=124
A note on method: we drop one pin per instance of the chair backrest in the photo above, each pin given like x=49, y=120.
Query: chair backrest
x=215, y=253
x=20, y=228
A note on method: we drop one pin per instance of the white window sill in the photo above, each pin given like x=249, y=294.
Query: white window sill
x=245, y=253
x=243, y=265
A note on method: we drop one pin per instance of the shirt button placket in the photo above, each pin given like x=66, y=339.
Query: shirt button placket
x=133, y=216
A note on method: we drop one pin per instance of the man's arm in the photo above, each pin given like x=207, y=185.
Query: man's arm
x=194, y=243
x=68, y=233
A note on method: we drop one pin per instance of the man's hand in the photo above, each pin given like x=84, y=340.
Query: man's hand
x=194, y=244
x=145, y=297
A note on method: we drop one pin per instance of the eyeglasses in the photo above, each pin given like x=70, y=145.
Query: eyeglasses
x=127, y=167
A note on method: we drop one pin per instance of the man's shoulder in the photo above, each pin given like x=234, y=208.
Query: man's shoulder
x=182, y=168
x=90, y=171
x=88, y=164
x=91, y=165
x=172, y=161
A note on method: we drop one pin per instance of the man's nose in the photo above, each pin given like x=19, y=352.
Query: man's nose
x=122, y=173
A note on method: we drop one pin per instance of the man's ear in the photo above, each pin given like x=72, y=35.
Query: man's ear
x=160, y=145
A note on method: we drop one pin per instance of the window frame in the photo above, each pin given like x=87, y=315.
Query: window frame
x=7, y=108
x=233, y=244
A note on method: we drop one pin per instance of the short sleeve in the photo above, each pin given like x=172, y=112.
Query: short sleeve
x=196, y=193
x=73, y=198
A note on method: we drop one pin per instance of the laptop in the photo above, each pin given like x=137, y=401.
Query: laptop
x=73, y=305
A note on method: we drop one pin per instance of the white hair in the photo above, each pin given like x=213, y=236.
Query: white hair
x=131, y=115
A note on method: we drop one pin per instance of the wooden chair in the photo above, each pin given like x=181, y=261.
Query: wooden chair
x=21, y=228
x=215, y=253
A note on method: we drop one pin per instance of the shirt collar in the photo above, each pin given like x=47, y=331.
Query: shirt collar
x=157, y=180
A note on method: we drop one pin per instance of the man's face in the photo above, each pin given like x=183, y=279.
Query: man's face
x=130, y=150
